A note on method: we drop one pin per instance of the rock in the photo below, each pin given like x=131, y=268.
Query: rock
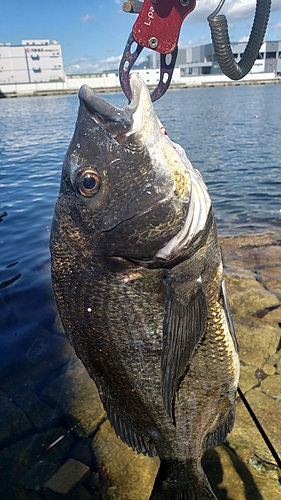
x=234, y=479
x=40, y=413
x=272, y=386
x=67, y=477
x=37, y=475
x=20, y=461
x=248, y=378
x=232, y=244
x=80, y=493
x=13, y=421
x=81, y=452
x=246, y=296
x=245, y=435
x=131, y=474
x=43, y=354
x=77, y=398
x=252, y=252
x=268, y=369
x=274, y=315
x=271, y=278
x=257, y=340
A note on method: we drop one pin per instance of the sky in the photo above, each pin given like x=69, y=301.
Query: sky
x=93, y=33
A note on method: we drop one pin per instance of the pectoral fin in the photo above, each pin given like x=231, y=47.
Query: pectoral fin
x=184, y=325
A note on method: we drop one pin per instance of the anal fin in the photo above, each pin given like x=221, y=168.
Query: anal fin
x=220, y=434
x=126, y=433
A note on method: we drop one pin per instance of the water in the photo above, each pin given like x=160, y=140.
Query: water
x=231, y=134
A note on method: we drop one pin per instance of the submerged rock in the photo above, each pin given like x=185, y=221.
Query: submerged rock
x=14, y=423
x=77, y=397
x=131, y=475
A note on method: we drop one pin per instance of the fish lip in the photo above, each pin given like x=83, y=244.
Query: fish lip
x=116, y=121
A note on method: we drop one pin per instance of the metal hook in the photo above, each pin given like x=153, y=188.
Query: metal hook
x=128, y=60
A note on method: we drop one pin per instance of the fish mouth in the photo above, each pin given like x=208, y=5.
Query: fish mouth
x=138, y=117
x=114, y=120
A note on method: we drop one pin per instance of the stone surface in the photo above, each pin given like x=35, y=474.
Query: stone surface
x=248, y=378
x=37, y=475
x=13, y=421
x=268, y=369
x=80, y=493
x=19, y=462
x=67, y=477
x=40, y=413
x=257, y=339
x=131, y=474
x=271, y=278
x=252, y=252
x=247, y=296
x=272, y=387
x=274, y=316
x=44, y=354
x=233, y=479
x=77, y=398
x=245, y=435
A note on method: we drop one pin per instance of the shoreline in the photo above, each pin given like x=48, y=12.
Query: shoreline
x=174, y=86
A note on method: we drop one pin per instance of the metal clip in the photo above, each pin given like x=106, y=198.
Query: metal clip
x=157, y=27
x=128, y=60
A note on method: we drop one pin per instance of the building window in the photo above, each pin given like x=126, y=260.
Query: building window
x=279, y=55
x=35, y=58
x=271, y=55
x=37, y=70
x=190, y=71
x=206, y=70
x=260, y=55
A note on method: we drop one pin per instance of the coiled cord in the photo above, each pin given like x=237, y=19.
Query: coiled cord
x=222, y=46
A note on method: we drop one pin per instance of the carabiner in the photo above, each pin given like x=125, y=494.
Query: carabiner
x=129, y=59
x=157, y=27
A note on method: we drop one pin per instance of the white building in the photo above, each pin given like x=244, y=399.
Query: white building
x=33, y=61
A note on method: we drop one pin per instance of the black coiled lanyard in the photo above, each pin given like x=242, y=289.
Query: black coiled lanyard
x=222, y=46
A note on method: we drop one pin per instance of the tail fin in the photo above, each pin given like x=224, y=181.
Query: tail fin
x=181, y=481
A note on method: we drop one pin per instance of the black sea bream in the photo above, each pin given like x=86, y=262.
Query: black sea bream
x=138, y=279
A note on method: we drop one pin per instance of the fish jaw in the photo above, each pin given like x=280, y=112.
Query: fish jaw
x=145, y=186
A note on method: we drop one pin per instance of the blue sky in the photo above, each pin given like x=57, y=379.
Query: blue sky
x=93, y=33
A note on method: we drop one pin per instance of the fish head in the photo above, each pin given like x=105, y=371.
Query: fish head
x=125, y=187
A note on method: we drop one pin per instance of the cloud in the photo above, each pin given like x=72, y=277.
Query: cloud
x=90, y=64
x=238, y=10
x=86, y=65
x=88, y=18
x=243, y=39
x=277, y=26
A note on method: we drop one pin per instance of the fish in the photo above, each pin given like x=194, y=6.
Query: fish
x=138, y=278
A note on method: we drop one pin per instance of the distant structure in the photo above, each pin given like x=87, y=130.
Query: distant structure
x=33, y=61
x=201, y=60
x=36, y=68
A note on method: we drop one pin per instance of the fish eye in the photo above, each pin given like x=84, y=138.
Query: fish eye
x=87, y=182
